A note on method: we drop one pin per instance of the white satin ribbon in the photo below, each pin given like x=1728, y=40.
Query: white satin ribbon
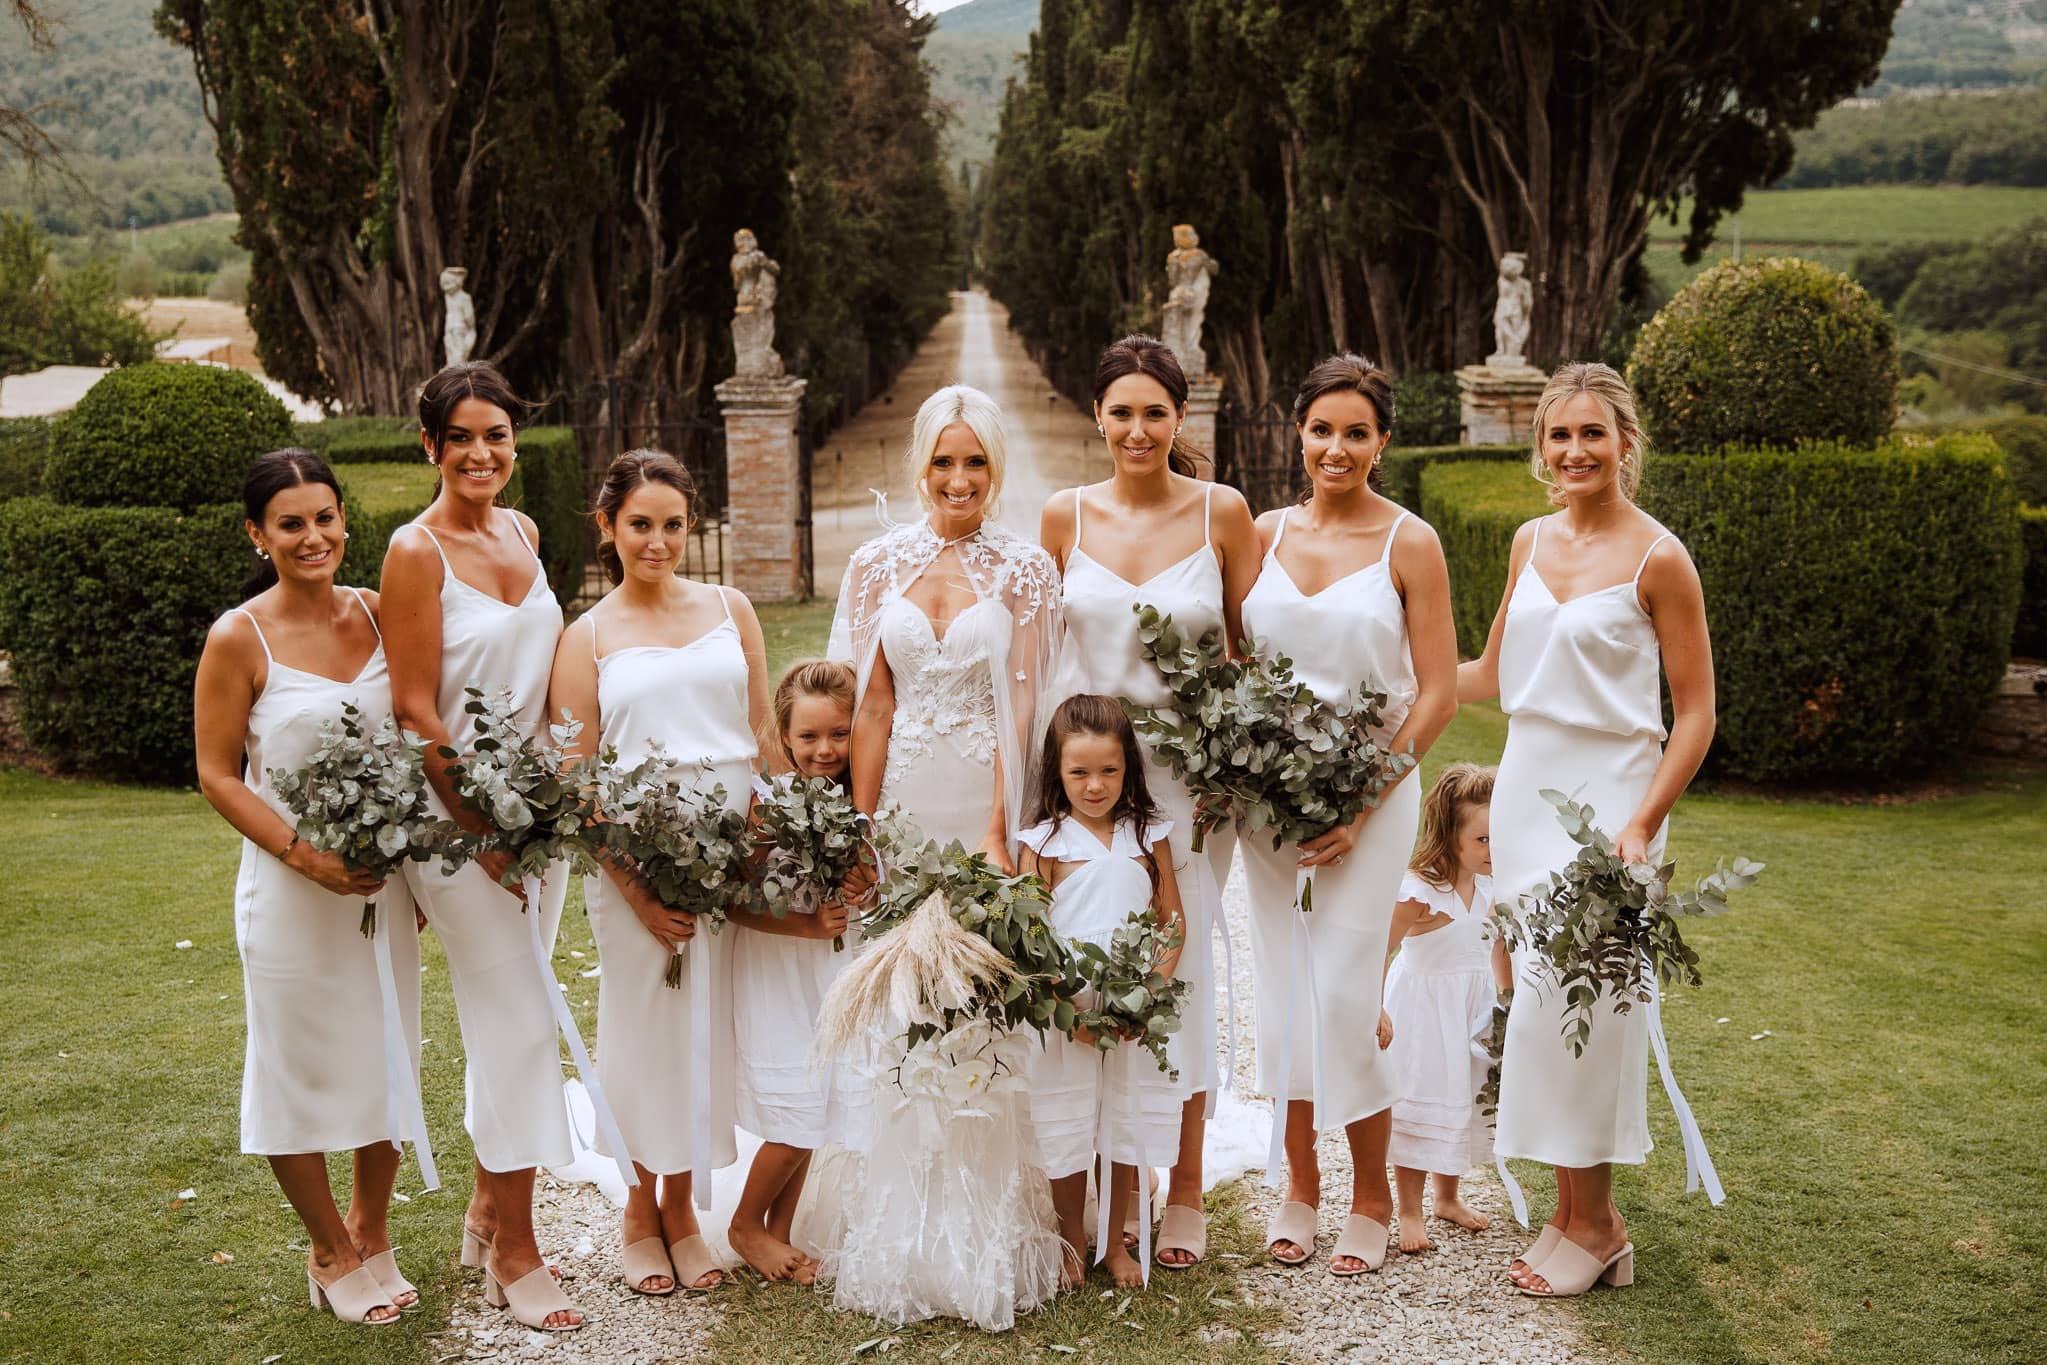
x=565, y=1022
x=700, y=1074
x=1515, y=1198
x=1304, y=968
x=403, y=1115
x=1105, y=1174
x=1219, y=914
x=1481, y=1035
x=1698, y=1162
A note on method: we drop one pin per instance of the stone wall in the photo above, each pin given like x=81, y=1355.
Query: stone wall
x=2015, y=723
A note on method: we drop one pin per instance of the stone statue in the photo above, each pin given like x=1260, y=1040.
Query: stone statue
x=458, y=331
x=1188, y=269
x=1511, y=313
x=754, y=279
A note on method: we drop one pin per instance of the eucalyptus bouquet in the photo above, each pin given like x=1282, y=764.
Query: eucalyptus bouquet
x=1245, y=735
x=1133, y=1001
x=1603, y=926
x=814, y=839
x=955, y=940
x=364, y=796
x=683, y=842
x=542, y=805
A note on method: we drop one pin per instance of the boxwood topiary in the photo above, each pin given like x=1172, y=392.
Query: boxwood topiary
x=1767, y=354
x=105, y=610
x=162, y=435
x=1475, y=508
x=24, y=450
x=1400, y=468
x=2029, y=636
x=1861, y=600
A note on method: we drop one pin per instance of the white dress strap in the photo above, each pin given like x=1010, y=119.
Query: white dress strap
x=1386, y=551
x=725, y=601
x=594, y=655
x=1280, y=534
x=1207, y=499
x=1646, y=553
x=446, y=567
x=520, y=527
x=268, y=657
x=372, y=615
x=1076, y=518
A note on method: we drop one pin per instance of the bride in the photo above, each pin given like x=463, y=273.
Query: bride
x=937, y=1207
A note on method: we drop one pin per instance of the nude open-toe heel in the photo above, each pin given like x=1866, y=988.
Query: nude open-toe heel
x=474, y=1247
x=384, y=1265
x=1570, y=1270
x=531, y=1297
x=353, y=1297
x=1294, y=1222
x=692, y=1260
x=1364, y=1239
x=645, y=1260
x=1544, y=1243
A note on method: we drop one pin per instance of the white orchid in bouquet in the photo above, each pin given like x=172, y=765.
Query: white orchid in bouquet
x=363, y=795
x=681, y=840
x=814, y=836
x=543, y=805
x=1132, y=1000
x=1606, y=927
x=1250, y=739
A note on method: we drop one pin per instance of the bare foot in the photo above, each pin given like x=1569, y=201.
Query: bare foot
x=1123, y=1268
x=1414, y=1236
x=1458, y=1212
x=1072, y=1268
x=774, y=1258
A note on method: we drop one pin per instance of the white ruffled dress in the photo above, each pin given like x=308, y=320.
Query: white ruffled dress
x=1439, y=994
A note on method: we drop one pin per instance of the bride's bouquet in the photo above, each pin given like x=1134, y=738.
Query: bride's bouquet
x=1603, y=926
x=815, y=835
x=542, y=806
x=683, y=842
x=364, y=796
x=1132, y=1000
x=1250, y=739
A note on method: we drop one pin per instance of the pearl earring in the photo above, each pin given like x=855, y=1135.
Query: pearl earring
x=344, y=535
x=262, y=554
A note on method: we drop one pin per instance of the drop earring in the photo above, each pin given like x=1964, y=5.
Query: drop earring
x=262, y=554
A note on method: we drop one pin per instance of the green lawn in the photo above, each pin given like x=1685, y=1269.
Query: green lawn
x=379, y=488
x=1878, y=1145
x=1832, y=226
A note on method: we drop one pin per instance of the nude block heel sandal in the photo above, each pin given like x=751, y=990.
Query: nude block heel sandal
x=353, y=1297
x=1571, y=1270
x=1295, y=1222
x=531, y=1297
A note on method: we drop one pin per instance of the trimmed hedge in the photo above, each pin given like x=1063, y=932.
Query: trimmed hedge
x=1475, y=508
x=1766, y=353
x=162, y=435
x=24, y=452
x=362, y=440
x=1400, y=468
x=105, y=610
x=1861, y=600
x=2022, y=438
x=2029, y=636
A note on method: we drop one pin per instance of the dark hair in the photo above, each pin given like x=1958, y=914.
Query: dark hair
x=439, y=396
x=1347, y=373
x=270, y=475
x=1148, y=356
x=1089, y=713
x=628, y=472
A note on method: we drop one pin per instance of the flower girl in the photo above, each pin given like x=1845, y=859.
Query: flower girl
x=1439, y=998
x=1093, y=835
x=781, y=969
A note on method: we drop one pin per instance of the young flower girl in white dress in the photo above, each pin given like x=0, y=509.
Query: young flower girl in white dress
x=1096, y=837
x=1439, y=1002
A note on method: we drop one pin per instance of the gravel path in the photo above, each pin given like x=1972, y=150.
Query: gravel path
x=1449, y=1304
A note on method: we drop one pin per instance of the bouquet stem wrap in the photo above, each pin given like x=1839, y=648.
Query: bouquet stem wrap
x=403, y=1113
x=1304, y=969
x=566, y=1023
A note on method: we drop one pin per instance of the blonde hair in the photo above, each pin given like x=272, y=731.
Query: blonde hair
x=1458, y=788
x=1605, y=384
x=804, y=678
x=983, y=416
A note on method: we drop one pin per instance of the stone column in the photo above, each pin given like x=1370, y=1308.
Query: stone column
x=1499, y=403
x=1204, y=398
x=763, y=497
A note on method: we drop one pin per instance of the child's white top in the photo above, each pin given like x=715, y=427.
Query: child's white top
x=1459, y=946
x=1098, y=897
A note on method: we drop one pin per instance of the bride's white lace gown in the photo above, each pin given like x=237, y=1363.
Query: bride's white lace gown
x=936, y=1206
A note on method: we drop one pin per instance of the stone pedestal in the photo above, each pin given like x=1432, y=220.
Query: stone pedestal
x=1204, y=399
x=764, y=549
x=1498, y=403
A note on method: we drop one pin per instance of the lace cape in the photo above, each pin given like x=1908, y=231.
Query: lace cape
x=1003, y=567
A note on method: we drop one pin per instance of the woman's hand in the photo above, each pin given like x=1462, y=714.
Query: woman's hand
x=329, y=871
x=1385, y=1030
x=495, y=864
x=1632, y=844
x=857, y=883
x=672, y=927
x=996, y=847
x=829, y=922
x=1333, y=846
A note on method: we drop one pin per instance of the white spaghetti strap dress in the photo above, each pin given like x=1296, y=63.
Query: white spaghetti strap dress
x=1579, y=681
x=313, y=1077
x=1353, y=631
x=1102, y=657
x=1085, y=1101
x=664, y=1056
x=512, y=1081
x=1439, y=994
x=778, y=986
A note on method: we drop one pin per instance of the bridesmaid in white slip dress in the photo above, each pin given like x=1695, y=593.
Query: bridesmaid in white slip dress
x=1127, y=542
x=950, y=623
x=1353, y=590
x=663, y=664
x=315, y=1079
x=466, y=602
x=1596, y=595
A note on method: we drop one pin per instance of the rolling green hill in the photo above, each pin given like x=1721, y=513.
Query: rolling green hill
x=976, y=48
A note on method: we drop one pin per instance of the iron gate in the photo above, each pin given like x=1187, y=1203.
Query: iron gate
x=1258, y=454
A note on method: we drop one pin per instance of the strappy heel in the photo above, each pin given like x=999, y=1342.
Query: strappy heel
x=353, y=1297
x=1295, y=1222
x=1570, y=1270
x=531, y=1298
